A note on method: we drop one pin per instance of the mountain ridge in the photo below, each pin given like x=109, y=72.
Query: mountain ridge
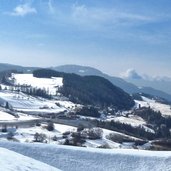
x=84, y=70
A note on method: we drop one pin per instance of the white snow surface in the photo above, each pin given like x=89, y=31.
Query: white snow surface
x=27, y=134
x=12, y=161
x=69, y=158
x=50, y=84
x=133, y=121
x=163, y=108
x=6, y=116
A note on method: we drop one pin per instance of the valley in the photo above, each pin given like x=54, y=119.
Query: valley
x=34, y=109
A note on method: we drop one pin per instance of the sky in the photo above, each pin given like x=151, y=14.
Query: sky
x=111, y=35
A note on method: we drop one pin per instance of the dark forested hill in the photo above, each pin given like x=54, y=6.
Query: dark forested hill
x=125, y=85
x=90, y=90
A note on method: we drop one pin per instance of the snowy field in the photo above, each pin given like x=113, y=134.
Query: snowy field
x=27, y=134
x=29, y=104
x=12, y=161
x=163, y=108
x=69, y=158
x=49, y=84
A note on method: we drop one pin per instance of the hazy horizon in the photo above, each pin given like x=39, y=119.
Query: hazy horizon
x=113, y=36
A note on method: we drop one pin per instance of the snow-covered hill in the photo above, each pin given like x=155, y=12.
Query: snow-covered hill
x=12, y=161
x=69, y=158
x=29, y=104
x=153, y=104
x=49, y=84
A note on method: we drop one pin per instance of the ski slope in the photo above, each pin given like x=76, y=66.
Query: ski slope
x=49, y=84
x=69, y=158
x=12, y=161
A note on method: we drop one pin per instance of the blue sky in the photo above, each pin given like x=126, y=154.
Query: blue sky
x=112, y=35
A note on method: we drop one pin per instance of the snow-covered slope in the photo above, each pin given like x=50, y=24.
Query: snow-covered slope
x=50, y=84
x=87, y=159
x=12, y=161
x=133, y=121
x=6, y=116
x=163, y=108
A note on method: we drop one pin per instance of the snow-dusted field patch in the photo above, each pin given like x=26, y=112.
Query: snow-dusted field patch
x=163, y=108
x=22, y=102
x=27, y=134
x=133, y=121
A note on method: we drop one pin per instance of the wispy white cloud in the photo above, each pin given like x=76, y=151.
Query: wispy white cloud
x=50, y=6
x=36, y=36
x=22, y=10
x=131, y=74
x=84, y=15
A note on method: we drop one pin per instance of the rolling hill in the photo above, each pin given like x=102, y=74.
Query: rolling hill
x=89, y=90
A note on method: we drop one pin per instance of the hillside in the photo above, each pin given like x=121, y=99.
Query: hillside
x=7, y=67
x=90, y=90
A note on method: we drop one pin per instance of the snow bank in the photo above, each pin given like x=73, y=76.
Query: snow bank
x=75, y=159
x=10, y=160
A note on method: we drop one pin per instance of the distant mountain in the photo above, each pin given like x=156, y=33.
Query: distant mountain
x=84, y=71
x=159, y=82
x=8, y=67
x=89, y=90
x=77, y=69
x=154, y=92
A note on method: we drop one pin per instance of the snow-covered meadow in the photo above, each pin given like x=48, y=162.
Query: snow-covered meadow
x=49, y=84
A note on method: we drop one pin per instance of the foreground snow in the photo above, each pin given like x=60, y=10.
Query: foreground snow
x=75, y=159
x=10, y=160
